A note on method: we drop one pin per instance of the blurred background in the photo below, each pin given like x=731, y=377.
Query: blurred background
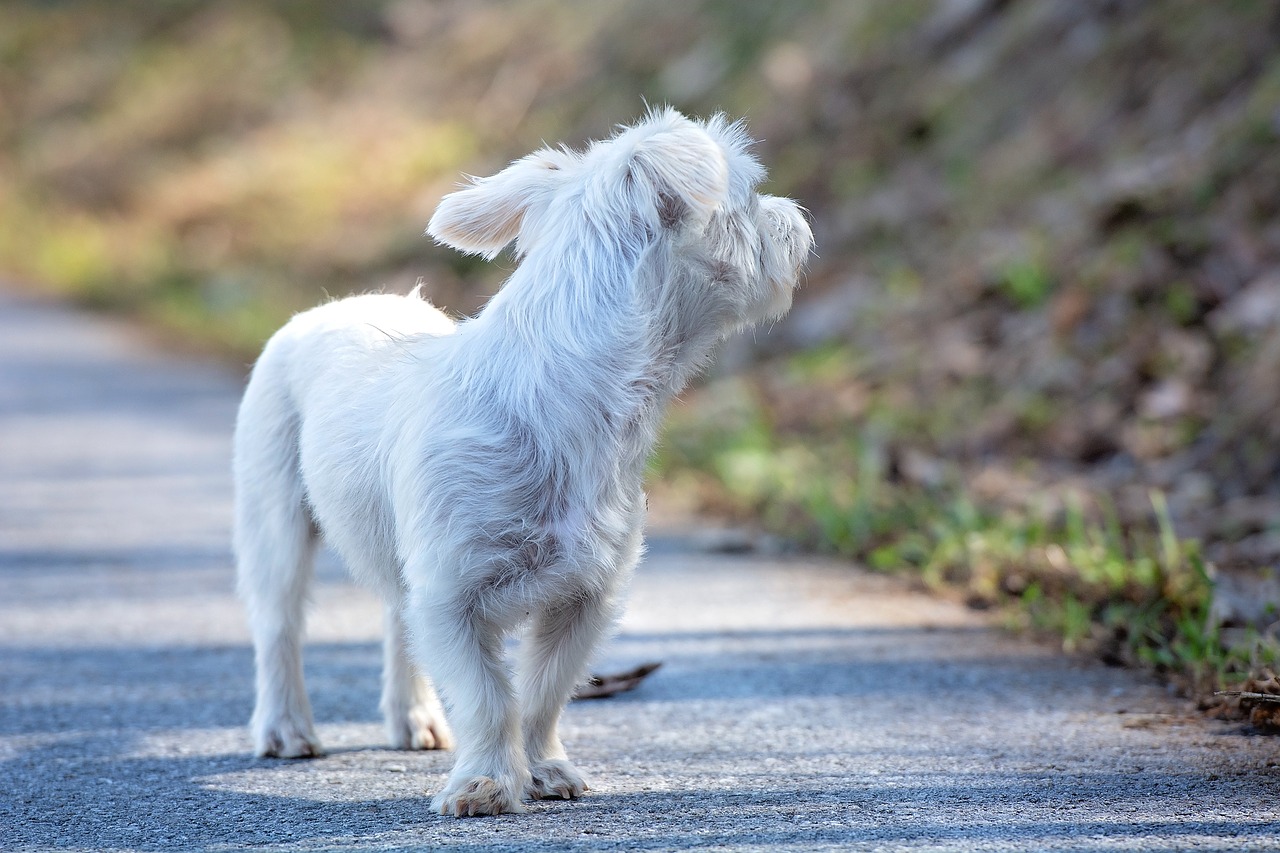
x=1035, y=359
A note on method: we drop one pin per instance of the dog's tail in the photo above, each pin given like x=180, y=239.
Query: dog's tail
x=275, y=535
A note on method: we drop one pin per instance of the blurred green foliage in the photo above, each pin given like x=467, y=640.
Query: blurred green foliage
x=1136, y=593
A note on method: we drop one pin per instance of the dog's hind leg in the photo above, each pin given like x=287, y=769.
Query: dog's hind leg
x=553, y=661
x=410, y=707
x=275, y=539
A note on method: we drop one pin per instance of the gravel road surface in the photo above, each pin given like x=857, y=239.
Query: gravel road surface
x=802, y=705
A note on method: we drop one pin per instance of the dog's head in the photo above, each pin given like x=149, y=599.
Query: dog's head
x=666, y=178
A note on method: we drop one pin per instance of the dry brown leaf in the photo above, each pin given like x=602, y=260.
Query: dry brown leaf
x=600, y=686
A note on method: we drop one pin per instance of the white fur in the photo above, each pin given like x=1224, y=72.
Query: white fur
x=488, y=475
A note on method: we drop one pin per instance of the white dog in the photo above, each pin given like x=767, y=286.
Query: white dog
x=488, y=475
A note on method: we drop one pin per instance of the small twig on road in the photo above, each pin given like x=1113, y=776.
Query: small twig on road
x=600, y=686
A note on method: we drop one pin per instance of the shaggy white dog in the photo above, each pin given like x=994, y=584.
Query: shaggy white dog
x=487, y=475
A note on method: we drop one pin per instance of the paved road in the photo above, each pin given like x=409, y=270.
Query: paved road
x=802, y=705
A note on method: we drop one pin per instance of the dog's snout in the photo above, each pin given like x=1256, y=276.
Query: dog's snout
x=790, y=227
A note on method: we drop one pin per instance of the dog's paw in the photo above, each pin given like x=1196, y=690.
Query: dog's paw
x=555, y=779
x=287, y=740
x=420, y=728
x=476, y=796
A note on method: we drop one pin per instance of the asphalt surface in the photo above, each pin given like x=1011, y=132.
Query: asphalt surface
x=802, y=705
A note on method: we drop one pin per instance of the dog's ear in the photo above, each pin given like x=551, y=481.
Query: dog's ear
x=484, y=217
x=686, y=170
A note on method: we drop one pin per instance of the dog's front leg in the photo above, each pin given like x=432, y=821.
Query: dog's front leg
x=553, y=661
x=462, y=651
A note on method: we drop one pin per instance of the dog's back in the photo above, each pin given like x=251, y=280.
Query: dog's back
x=313, y=356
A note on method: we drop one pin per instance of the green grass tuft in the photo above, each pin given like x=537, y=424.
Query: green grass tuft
x=1136, y=594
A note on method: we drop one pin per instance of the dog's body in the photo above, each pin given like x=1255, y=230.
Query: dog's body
x=487, y=475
